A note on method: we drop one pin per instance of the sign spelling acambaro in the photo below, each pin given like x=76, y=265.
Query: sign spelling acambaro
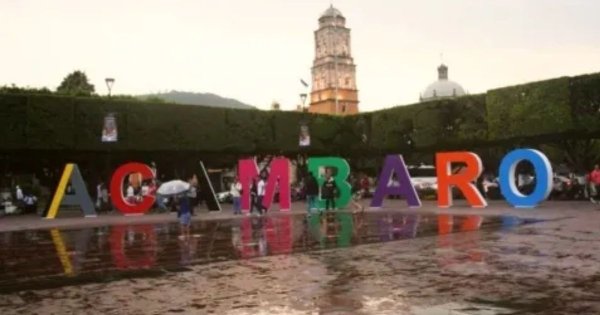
x=278, y=180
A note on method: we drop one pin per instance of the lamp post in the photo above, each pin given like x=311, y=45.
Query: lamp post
x=303, y=101
x=109, y=84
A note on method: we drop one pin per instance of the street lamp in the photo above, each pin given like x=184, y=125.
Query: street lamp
x=109, y=84
x=303, y=100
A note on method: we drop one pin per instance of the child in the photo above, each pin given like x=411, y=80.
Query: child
x=185, y=216
x=356, y=197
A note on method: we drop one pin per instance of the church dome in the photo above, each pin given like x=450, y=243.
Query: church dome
x=332, y=12
x=442, y=88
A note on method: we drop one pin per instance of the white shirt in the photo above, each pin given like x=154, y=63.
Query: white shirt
x=260, y=188
x=235, y=189
x=192, y=193
x=19, y=194
x=130, y=191
x=30, y=200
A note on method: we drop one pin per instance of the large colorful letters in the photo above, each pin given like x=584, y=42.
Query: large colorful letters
x=394, y=164
x=317, y=166
x=279, y=180
x=116, y=189
x=543, y=178
x=80, y=196
x=463, y=180
x=279, y=175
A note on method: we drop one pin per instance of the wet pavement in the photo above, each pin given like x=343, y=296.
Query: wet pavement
x=377, y=262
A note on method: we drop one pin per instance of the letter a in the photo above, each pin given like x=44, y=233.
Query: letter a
x=80, y=197
x=394, y=164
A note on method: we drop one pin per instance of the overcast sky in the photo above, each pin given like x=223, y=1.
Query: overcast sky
x=257, y=51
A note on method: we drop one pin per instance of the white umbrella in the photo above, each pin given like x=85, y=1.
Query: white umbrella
x=173, y=187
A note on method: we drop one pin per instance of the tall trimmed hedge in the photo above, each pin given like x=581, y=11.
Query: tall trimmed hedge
x=440, y=123
x=13, y=115
x=562, y=107
x=530, y=110
x=585, y=101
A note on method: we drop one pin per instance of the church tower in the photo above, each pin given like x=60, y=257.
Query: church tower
x=333, y=73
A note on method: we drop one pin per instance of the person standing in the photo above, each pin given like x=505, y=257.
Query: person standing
x=253, y=196
x=185, y=216
x=312, y=191
x=99, y=196
x=236, y=192
x=365, y=185
x=193, y=193
x=106, y=206
x=260, y=192
x=19, y=194
x=30, y=202
x=356, y=197
x=329, y=191
x=595, y=184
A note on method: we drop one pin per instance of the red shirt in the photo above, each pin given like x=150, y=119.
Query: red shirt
x=364, y=183
x=595, y=177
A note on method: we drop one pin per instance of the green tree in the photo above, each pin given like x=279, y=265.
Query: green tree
x=76, y=83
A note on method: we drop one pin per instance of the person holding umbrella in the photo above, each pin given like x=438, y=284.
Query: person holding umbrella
x=179, y=189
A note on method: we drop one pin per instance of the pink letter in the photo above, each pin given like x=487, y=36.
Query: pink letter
x=279, y=176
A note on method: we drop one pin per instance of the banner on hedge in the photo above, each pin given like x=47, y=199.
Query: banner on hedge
x=277, y=180
x=109, y=129
x=304, y=136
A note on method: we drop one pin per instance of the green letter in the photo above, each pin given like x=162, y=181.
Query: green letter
x=317, y=167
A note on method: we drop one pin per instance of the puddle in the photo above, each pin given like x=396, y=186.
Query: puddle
x=52, y=258
x=461, y=309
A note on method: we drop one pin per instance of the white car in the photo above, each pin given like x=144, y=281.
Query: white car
x=423, y=177
x=225, y=197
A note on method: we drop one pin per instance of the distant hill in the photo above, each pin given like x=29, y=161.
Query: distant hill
x=206, y=99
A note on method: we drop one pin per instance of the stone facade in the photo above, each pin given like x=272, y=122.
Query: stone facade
x=333, y=68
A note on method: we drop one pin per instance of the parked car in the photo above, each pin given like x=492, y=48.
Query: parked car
x=423, y=177
x=225, y=197
x=569, y=187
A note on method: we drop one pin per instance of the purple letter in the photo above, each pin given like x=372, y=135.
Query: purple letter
x=394, y=164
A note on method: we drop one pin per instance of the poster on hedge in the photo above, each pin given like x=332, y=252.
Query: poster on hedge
x=109, y=131
x=304, y=136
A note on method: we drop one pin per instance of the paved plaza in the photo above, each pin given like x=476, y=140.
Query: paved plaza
x=394, y=260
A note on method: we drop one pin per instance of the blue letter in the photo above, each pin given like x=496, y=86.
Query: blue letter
x=543, y=178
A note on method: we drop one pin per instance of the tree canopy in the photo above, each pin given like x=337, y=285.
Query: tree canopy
x=77, y=84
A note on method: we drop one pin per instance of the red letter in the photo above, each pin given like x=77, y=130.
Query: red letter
x=116, y=189
x=463, y=180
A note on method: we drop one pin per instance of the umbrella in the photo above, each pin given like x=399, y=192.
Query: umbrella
x=173, y=187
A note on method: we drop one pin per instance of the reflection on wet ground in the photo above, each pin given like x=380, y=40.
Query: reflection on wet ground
x=376, y=263
x=41, y=259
